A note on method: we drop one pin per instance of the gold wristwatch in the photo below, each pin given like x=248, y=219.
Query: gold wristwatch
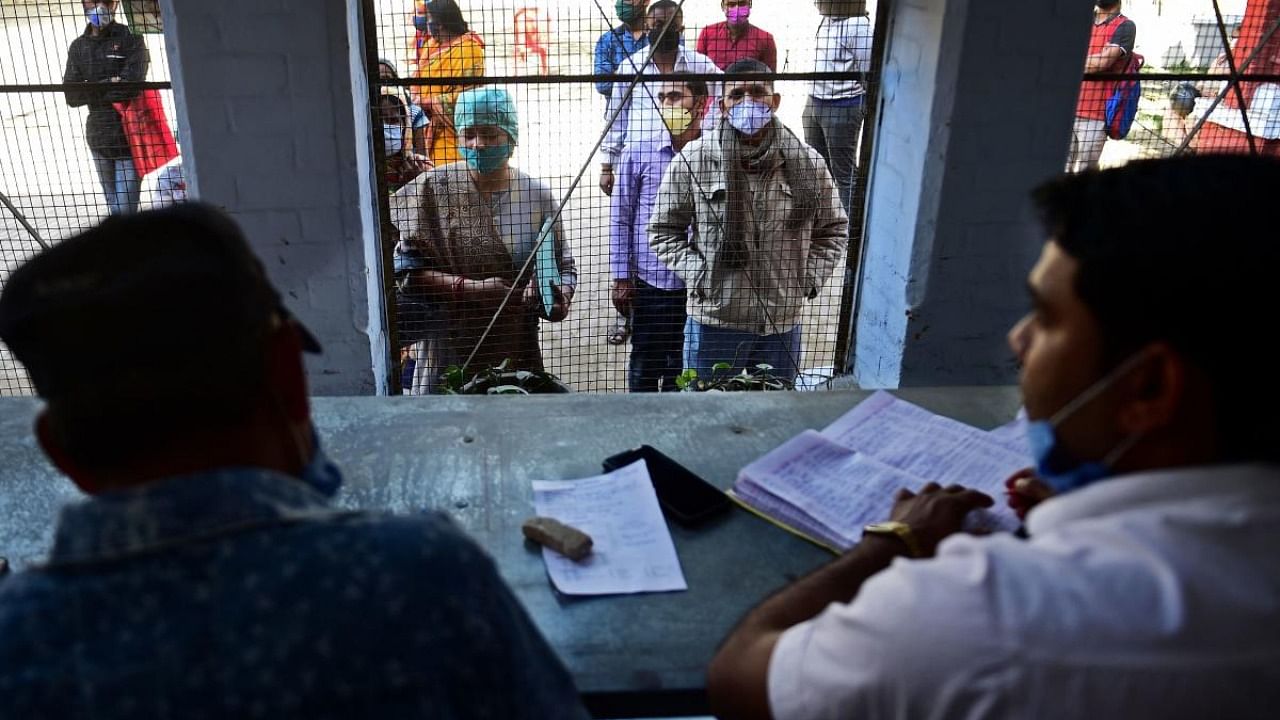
x=900, y=530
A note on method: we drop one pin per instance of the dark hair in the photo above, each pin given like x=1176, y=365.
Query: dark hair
x=447, y=15
x=398, y=107
x=665, y=5
x=696, y=86
x=1179, y=251
x=148, y=327
x=1107, y=4
x=748, y=66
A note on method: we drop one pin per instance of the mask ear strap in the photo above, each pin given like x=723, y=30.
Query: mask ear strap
x=1120, y=450
x=1092, y=392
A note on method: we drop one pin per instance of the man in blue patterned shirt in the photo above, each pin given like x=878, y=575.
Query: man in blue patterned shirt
x=206, y=576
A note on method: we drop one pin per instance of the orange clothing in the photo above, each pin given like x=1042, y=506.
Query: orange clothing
x=461, y=57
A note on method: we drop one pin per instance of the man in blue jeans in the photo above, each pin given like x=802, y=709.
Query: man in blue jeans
x=612, y=49
x=643, y=287
x=768, y=230
x=833, y=116
x=106, y=54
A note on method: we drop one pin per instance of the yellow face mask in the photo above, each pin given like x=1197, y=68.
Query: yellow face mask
x=677, y=119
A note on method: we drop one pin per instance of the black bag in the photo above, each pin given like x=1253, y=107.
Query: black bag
x=416, y=314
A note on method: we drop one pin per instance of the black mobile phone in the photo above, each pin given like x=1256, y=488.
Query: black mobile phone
x=687, y=498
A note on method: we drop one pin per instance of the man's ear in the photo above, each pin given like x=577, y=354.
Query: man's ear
x=57, y=455
x=1156, y=390
x=286, y=377
x=777, y=101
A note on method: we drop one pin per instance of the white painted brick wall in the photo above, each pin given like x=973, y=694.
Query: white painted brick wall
x=274, y=128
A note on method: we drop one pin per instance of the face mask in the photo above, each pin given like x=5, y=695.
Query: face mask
x=433, y=29
x=420, y=23
x=1053, y=464
x=738, y=15
x=100, y=16
x=393, y=138
x=627, y=12
x=677, y=119
x=488, y=159
x=750, y=117
x=669, y=42
x=321, y=473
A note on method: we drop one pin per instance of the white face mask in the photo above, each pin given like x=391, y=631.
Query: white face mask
x=393, y=138
x=750, y=117
x=100, y=16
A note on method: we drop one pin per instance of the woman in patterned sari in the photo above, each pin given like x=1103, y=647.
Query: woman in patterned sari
x=468, y=235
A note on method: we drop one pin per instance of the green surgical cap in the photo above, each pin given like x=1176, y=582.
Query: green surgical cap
x=486, y=106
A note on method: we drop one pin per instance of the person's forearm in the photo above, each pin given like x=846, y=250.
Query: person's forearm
x=620, y=257
x=436, y=282
x=838, y=581
x=668, y=246
x=76, y=97
x=737, y=680
x=1100, y=62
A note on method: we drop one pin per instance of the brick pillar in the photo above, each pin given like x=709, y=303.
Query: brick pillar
x=272, y=107
x=978, y=99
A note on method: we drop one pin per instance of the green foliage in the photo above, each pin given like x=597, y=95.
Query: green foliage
x=754, y=379
x=500, y=381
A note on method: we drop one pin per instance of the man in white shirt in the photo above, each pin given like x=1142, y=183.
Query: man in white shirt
x=640, y=115
x=833, y=115
x=1150, y=582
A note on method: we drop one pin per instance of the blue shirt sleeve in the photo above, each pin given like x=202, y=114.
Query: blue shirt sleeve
x=605, y=63
x=622, y=216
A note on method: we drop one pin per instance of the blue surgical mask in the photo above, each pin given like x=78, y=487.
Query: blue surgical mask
x=100, y=16
x=750, y=117
x=420, y=23
x=488, y=159
x=393, y=139
x=1054, y=465
x=433, y=29
x=321, y=473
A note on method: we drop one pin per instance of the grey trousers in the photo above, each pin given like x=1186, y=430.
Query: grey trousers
x=834, y=131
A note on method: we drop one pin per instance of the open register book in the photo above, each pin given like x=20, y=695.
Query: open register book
x=826, y=486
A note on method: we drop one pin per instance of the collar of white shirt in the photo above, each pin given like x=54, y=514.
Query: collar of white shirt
x=1150, y=490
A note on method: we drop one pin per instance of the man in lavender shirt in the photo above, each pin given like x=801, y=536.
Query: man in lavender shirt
x=643, y=287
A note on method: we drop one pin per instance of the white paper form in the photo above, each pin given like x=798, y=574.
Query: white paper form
x=1013, y=436
x=840, y=488
x=632, y=551
x=926, y=445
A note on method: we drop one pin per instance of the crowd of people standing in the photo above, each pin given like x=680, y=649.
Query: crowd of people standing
x=723, y=222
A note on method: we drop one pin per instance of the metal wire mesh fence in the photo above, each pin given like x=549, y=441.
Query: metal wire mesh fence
x=1165, y=77
x=85, y=128
x=534, y=184
x=580, y=187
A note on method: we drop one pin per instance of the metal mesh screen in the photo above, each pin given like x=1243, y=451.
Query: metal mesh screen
x=468, y=261
x=63, y=171
x=1165, y=78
